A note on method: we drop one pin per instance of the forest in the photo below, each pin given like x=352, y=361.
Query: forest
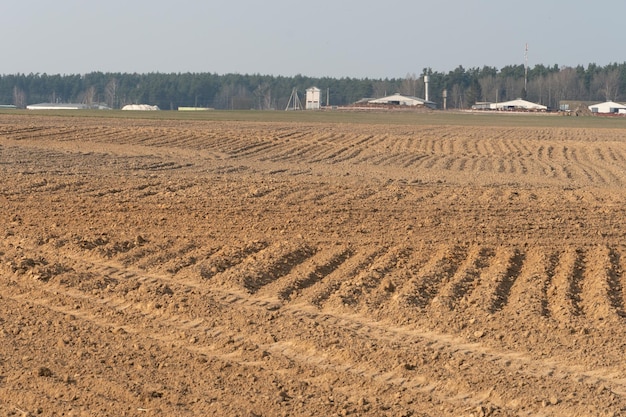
x=547, y=85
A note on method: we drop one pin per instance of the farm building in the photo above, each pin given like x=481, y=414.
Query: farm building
x=512, y=105
x=182, y=108
x=519, y=104
x=312, y=98
x=577, y=106
x=483, y=105
x=141, y=107
x=66, y=106
x=400, y=100
x=608, y=107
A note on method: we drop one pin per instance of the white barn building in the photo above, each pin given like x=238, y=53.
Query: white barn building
x=313, y=98
x=518, y=104
x=66, y=106
x=400, y=100
x=608, y=107
x=140, y=107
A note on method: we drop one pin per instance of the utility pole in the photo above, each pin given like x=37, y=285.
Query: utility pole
x=526, y=69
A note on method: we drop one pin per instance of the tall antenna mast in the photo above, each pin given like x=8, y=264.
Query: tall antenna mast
x=526, y=68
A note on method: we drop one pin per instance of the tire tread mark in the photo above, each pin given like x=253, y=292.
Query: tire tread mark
x=576, y=281
x=435, y=274
x=600, y=287
x=462, y=284
x=552, y=262
x=228, y=257
x=320, y=271
x=527, y=296
x=321, y=293
x=267, y=266
x=561, y=301
x=616, y=289
x=358, y=290
x=364, y=329
x=507, y=280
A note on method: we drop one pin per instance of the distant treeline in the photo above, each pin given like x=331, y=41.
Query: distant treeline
x=464, y=87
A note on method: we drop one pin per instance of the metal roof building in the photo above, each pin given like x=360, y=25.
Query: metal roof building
x=518, y=104
x=400, y=100
x=140, y=107
x=66, y=106
x=608, y=107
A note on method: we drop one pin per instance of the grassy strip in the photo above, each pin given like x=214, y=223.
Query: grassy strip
x=441, y=118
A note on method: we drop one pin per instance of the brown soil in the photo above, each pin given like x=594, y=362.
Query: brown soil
x=273, y=269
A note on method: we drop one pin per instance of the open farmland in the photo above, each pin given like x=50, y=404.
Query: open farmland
x=446, y=267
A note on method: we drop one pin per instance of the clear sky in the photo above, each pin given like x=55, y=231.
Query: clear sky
x=336, y=38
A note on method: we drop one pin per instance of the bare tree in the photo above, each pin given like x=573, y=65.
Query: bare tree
x=263, y=96
x=235, y=97
x=563, y=85
x=489, y=88
x=537, y=90
x=457, y=96
x=110, y=93
x=512, y=88
x=89, y=95
x=380, y=88
x=571, y=83
x=19, y=97
x=409, y=85
x=607, y=83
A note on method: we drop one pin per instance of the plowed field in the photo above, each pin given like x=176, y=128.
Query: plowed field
x=179, y=268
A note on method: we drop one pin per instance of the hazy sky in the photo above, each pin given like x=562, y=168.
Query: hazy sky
x=337, y=38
